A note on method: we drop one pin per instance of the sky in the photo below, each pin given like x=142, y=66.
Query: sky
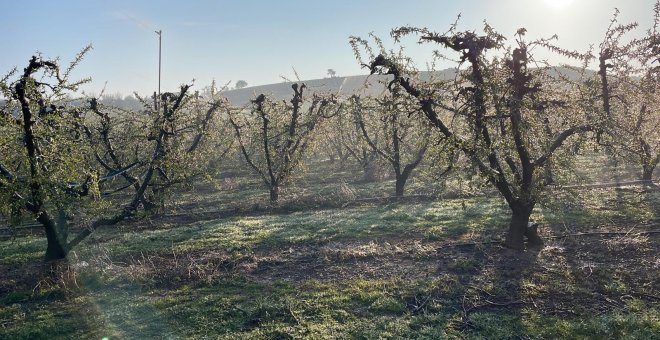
x=261, y=41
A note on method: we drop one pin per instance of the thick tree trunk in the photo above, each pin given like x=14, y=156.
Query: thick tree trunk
x=519, y=228
x=274, y=193
x=400, y=185
x=56, y=248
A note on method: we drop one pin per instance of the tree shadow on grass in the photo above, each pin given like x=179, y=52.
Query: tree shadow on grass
x=494, y=301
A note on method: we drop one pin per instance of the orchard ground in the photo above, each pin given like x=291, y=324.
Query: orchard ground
x=327, y=262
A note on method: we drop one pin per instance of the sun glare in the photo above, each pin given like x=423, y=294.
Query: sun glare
x=558, y=4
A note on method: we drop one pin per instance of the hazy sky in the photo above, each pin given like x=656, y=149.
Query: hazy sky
x=259, y=41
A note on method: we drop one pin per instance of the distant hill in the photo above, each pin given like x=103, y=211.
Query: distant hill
x=342, y=86
x=347, y=86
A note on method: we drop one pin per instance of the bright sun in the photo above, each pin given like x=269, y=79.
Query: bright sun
x=559, y=4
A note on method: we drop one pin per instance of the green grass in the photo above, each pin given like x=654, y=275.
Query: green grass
x=363, y=271
x=22, y=249
x=237, y=308
x=600, y=206
x=50, y=319
x=449, y=218
x=433, y=220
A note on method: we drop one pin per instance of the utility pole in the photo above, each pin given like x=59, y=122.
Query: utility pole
x=160, y=38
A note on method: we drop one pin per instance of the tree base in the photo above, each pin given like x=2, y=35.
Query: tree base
x=516, y=239
x=274, y=193
x=55, y=252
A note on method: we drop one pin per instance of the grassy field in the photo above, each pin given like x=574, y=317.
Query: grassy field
x=325, y=263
